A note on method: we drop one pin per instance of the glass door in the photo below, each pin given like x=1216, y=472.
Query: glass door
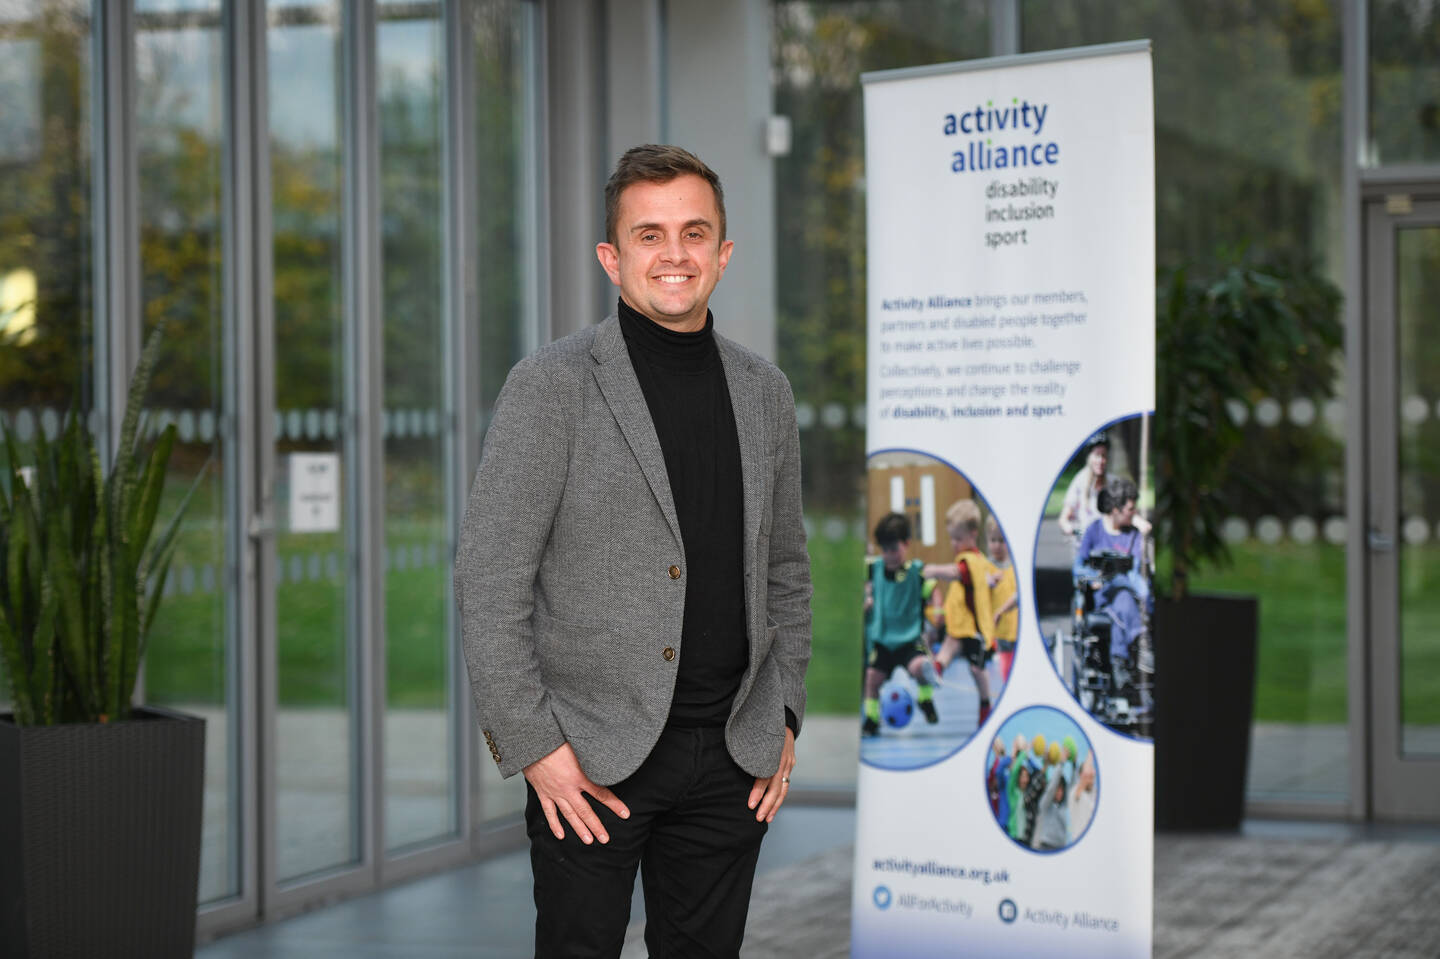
x=421, y=712
x=316, y=759
x=1403, y=538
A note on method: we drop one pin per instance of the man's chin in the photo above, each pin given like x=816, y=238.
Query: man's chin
x=672, y=316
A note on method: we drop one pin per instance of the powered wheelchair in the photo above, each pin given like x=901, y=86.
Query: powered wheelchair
x=1117, y=690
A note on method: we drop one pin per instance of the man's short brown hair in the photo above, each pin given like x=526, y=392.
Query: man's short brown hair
x=656, y=163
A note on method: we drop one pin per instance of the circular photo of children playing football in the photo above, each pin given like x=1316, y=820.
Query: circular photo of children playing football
x=1041, y=779
x=941, y=612
x=1094, y=564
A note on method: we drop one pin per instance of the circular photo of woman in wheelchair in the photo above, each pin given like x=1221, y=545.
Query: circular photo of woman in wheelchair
x=940, y=615
x=1094, y=563
x=1041, y=779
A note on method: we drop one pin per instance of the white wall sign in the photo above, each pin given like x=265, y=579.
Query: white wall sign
x=314, y=492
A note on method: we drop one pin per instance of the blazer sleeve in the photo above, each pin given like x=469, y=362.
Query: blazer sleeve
x=507, y=523
x=788, y=588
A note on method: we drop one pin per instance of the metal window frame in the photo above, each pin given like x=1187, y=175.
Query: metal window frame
x=365, y=386
x=1393, y=776
x=537, y=324
x=115, y=189
x=246, y=282
x=1354, y=68
x=1004, y=28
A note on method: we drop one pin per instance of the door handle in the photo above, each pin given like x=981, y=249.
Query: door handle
x=1379, y=542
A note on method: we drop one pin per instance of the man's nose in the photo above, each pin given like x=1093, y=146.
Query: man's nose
x=675, y=251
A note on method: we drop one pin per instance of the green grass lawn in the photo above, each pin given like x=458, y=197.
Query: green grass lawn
x=1420, y=629
x=1302, y=670
x=187, y=662
x=834, y=679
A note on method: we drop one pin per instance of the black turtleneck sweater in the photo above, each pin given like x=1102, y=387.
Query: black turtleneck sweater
x=684, y=385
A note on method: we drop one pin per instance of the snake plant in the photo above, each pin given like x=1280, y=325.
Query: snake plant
x=81, y=574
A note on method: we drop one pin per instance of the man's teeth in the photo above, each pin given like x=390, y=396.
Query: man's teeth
x=672, y=279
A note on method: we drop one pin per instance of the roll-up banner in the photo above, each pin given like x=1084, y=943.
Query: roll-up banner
x=1006, y=764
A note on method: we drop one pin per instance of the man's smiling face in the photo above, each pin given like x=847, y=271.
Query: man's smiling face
x=668, y=254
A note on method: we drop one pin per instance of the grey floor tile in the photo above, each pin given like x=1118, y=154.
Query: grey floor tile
x=1276, y=891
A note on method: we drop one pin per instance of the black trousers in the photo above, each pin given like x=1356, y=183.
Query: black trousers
x=690, y=833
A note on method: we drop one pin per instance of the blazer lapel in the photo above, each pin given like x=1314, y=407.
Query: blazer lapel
x=747, y=402
x=622, y=392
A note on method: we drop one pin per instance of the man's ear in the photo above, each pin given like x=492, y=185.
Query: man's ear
x=726, y=248
x=609, y=258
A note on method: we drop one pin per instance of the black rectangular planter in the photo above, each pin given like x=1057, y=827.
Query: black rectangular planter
x=100, y=837
x=1204, y=700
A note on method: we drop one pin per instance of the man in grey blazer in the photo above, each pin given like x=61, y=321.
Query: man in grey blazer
x=635, y=590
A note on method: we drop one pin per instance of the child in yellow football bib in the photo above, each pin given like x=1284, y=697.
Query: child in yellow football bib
x=969, y=618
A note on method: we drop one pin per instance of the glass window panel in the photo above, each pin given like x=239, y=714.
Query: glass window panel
x=179, y=117
x=315, y=766
x=819, y=51
x=504, y=149
x=1404, y=81
x=46, y=221
x=1248, y=155
x=1418, y=396
x=503, y=34
x=420, y=781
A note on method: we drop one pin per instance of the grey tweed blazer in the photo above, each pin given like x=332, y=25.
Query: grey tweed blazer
x=570, y=570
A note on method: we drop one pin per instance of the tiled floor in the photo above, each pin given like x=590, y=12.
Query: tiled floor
x=1281, y=890
x=483, y=910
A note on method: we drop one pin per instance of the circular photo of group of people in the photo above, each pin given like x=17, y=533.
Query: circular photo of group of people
x=1094, y=566
x=941, y=612
x=1041, y=779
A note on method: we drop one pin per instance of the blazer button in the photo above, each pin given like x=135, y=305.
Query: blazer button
x=669, y=651
x=674, y=572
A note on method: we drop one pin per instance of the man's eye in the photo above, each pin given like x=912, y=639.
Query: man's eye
x=649, y=237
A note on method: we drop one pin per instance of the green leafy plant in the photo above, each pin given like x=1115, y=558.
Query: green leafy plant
x=1256, y=330
x=82, y=574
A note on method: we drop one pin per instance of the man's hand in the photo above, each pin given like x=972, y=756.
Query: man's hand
x=561, y=784
x=767, y=794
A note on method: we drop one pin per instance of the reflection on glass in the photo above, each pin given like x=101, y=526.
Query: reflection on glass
x=420, y=781
x=1418, y=393
x=46, y=257
x=46, y=363
x=1248, y=153
x=1404, y=82
x=316, y=788
x=180, y=133
x=503, y=92
x=820, y=49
